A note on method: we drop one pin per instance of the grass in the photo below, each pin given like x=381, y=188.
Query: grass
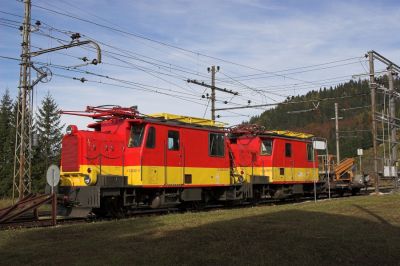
x=359, y=230
x=5, y=203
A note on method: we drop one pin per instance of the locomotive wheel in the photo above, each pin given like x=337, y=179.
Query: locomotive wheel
x=198, y=205
x=114, y=207
x=192, y=206
x=355, y=191
x=100, y=212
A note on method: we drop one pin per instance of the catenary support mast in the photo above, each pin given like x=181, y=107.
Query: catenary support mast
x=23, y=137
x=23, y=142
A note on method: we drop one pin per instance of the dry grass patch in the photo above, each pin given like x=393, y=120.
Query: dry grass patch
x=358, y=230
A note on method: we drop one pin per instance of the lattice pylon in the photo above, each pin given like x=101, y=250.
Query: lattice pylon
x=23, y=140
x=23, y=145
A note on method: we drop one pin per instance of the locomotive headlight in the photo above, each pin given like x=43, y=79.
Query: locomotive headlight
x=87, y=180
x=68, y=130
x=71, y=129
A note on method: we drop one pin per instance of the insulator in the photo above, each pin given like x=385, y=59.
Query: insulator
x=75, y=36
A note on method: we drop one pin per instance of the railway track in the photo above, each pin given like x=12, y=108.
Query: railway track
x=45, y=220
x=30, y=221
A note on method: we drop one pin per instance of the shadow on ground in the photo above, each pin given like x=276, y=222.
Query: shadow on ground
x=286, y=237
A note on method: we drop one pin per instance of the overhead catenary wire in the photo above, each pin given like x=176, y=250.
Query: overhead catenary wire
x=194, y=96
x=236, y=114
x=139, y=85
x=298, y=72
x=240, y=107
x=137, y=67
x=135, y=35
x=179, y=48
x=134, y=88
x=188, y=50
x=129, y=63
x=67, y=68
x=318, y=64
x=181, y=77
x=69, y=32
x=355, y=108
x=197, y=54
x=294, y=102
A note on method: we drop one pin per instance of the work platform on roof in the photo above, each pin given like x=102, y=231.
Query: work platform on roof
x=292, y=134
x=188, y=119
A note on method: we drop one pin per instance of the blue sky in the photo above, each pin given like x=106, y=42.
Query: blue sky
x=262, y=35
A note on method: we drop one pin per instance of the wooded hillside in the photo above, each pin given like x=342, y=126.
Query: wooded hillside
x=299, y=114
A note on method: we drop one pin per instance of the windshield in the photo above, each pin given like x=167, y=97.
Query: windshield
x=136, y=136
x=266, y=146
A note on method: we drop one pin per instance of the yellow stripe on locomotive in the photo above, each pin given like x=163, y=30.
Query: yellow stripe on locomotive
x=149, y=175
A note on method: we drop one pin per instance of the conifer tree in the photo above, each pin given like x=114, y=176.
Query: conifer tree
x=47, y=141
x=7, y=136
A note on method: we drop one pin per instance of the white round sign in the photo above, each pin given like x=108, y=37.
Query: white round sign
x=53, y=175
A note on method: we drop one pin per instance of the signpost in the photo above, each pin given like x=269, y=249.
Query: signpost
x=320, y=144
x=360, y=153
x=53, y=178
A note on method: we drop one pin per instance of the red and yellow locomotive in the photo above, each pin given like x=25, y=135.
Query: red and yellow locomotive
x=128, y=161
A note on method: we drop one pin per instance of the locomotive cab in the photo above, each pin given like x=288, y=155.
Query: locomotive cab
x=276, y=164
x=141, y=162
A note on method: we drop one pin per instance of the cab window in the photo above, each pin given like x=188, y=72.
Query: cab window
x=216, y=144
x=288, y=150
x=136, y=136
x=173, y=140
x=266, y=147
x=151, y=138
x=310, y=152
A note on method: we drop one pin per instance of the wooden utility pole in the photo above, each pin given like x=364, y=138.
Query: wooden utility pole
x=213, y=88
x=372, y=86
x=336, y=118
x=337, y=133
